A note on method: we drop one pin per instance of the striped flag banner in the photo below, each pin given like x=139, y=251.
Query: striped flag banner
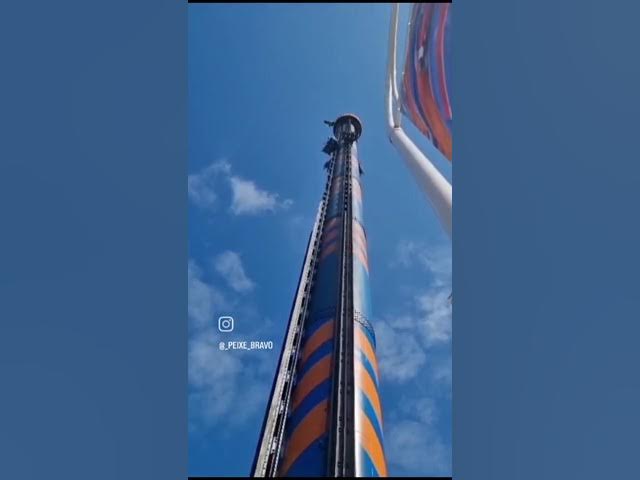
x=426, y=89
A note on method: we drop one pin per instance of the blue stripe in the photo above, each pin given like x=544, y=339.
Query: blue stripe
x=312, y=462
x=313, y=398
x=368, y=334
x=299, y=377
x=325, y=246
x=325, y=234
x=370, y=412
x=325, y=290
x=433, y=59
x=367, y=467
x=368, y=367
x=315, y=324
x=413, y=71
x=335, y=205
x=324, y=349
x=417, y=45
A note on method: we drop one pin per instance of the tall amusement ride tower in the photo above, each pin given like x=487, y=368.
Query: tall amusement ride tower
x=324, y=416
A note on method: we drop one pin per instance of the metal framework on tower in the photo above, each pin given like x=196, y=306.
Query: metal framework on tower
x=324, y=416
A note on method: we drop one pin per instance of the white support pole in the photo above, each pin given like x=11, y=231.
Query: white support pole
x=431, y=181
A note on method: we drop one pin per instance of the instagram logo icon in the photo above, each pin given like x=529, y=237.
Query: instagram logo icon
x=225, y=324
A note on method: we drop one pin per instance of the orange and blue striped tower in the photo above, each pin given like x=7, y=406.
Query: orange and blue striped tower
x=324, y=417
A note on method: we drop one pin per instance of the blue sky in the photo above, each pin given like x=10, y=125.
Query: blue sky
x=262, y=78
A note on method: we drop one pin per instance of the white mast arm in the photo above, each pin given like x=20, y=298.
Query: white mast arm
x=431, y=181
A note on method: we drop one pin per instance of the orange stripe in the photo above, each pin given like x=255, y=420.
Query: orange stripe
x=330, y=235
x=436, y=124
x=360, y=227
x=360, y=241
x=372, y=445
x=356, y=188
x=369, y=388
x=331, y=227
x=364, y=345
x=314, y=377
x=359, y=230
x=362, y=253
x=360, y=238
x=320, y=336
x=363, y=259
x=331, y=223
x=312, y=427
x=359, y=245
x=328, y=251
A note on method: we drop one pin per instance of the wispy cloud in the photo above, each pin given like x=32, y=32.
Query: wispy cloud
x=441, y=371
x=202, y=185
x=414, y=351
x=248, y=199
x=424, y=408
x=435, y=260
x=204, y=300
x=435, y=315
x=412, y=446
x=226, y=388
x=229, y=265
x=416, y=344
x=432, y=306
x=412, y=440
x=400, y=355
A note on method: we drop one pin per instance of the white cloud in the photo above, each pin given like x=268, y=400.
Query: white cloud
x=226, y=388
x=413, y=442
x=229, y=265
x=435, y=315
x=414, y=447
x=441, y=372
x=203, y=300
x=414, y=350
x=400, y=355
x=433, y=305
x=201, y=185
x=248, y=199
x=435, y=260
x=406, y=341
x=422, y=408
